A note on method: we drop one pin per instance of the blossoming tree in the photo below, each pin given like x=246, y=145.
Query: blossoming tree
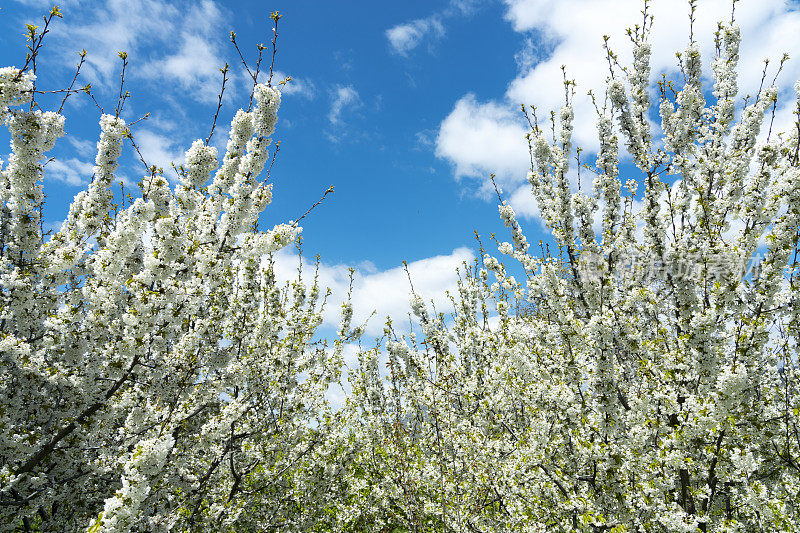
x=651, y=381
x=154, y=375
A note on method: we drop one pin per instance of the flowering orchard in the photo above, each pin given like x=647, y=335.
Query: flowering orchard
x=156, y=376
x=150, y=361
x=615, y=401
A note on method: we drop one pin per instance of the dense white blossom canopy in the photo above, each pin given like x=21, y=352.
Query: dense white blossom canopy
x=155, y=376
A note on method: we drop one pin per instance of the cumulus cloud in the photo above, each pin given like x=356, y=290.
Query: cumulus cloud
x=524, y=203
x=405, y=37
x=186, y=35
x=195, y=64
x=480, y=139
x=114, y=26
x=160, y=150
x=343, y=97
x=477, y=137
x=432, y=277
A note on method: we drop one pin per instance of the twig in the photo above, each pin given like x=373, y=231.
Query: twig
x=408, y=275
x=266, y=179
x=149, y=168
x=255, y=76
x=224, y=71
x=122, y=96
x=763, y=77
x=87, y=89
x=327, y=191
x=143, y=117
x=30, y=59
x=272, y=162
x=82, y=53
x=275, y=16
x=34, y=48
x=496, y=189
x=54, y=91
x=241, y=57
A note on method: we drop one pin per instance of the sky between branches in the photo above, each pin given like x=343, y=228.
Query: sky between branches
x=406, y=108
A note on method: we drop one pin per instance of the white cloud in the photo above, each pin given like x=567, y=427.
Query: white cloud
x=479, y=138
x=203, y=17
x=195, y=64
x=343, y=97
x=432, y=277
x=527, y=15
x=524, y=203
x=70, y=171
x=84, y=147
x=159, y=150
x=463, y=7
x=527, y=57
x=115, y=26
x=299, y=87
x=187, y=36
x=405, y=37
x=483, y=138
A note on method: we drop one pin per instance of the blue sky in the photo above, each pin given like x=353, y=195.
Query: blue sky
x=405, y=107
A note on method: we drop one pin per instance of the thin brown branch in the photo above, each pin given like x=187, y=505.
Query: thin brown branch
x=241, y=57
x=327, y=191
x=224, y=71
x=34, y=48
x=255, y=76
x=275, y=16
x=82, y=53
x=88, y=90
x=122, y=94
